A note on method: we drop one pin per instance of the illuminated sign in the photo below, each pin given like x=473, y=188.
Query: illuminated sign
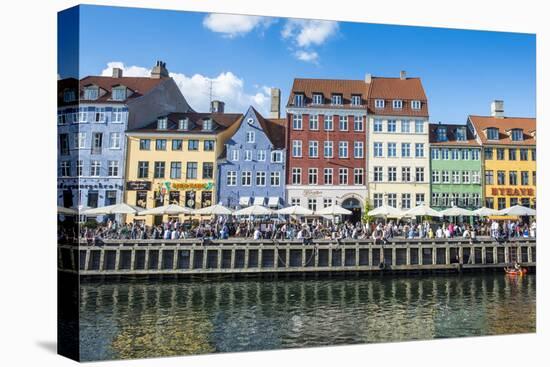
x=509, y=191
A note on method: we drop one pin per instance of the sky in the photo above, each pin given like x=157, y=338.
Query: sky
x=462, y=71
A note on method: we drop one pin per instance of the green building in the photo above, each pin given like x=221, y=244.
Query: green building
x=455, y=167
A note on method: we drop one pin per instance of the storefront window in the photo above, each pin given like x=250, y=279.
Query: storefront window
x=141, y=199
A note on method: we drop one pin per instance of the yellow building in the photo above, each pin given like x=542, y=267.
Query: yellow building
x=173, y=160
x=508, y=156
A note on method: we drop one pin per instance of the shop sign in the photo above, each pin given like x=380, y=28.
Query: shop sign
x=510, y=191
x=192, y=186
x=312, y=193
x=138, y=185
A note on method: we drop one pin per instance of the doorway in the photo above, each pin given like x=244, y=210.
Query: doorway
x=355, y=206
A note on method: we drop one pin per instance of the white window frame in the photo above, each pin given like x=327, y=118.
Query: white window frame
x=416, y=105
x=313, y=122
x=328, y=176
x=276, y=156
x=114, y=140
x=313, y=149
x=250, y=137
x=328, y=146
x=297, y=148
x=231, y=178
x=397, y=104
x=343, y=148
x=343, y=178
x=379, y=103
x=297, y=121
x=260, y=178
x=358, y=149
x=275, y=179
x=343, y=119
x=328, y=123
x=113, y=165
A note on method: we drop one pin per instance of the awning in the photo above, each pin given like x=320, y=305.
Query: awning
x=273, y=201
x=259, y=200
x=244, y=201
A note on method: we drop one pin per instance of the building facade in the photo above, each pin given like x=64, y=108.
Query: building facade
x=92, y=120
x=398, y=142
x=173, y=160
x=455, y=167
x=252, y=170
x=326, y=143
x=508, y=157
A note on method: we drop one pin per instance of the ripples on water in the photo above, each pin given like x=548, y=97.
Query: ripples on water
x=148, y=318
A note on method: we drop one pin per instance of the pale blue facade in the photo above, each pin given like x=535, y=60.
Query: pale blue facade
x=253, y=168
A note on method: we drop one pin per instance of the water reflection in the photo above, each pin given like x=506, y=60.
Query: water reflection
x=137, y=319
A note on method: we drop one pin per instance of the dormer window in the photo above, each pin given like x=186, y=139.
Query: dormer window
x=397, y=104
x=441, y=134
x=517, y=134
x=356, y=100
x=492, y=133
x=119, y=94
x=207, y=125
x=69, y=95
x=162, y=123
x=415, y=105
x=91, y=93
x=299, y=100
x=183, y=124
x=336, y=99
x=317, y=98
x=461, y=134
x=379, y=103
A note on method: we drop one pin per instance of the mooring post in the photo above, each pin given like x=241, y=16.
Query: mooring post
x=117, y=259
x=101, y=259
x=483, y=254
x=87, y=259
x=133, y=258
x=159, y=264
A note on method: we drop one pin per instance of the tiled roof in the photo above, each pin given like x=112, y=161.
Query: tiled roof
x=275, y=129
x=407, y=90
x=451, y=136
x=327, y=87
x=138, y=85
x=504, y=125
x=196, y=121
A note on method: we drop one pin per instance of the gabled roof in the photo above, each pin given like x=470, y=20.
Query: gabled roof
x=528, y=124
x=275, y=129
x=451, y=136
x=138, y=85
x=327, y=87
x=222, y=120
x=407, y=90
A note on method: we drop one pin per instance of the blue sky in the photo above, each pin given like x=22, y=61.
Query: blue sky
x=462, y=71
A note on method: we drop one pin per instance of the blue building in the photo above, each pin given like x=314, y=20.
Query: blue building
x=93, y=115
x=252, y=169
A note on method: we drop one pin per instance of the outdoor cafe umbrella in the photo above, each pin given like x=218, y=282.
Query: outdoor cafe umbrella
x=422, y=211
x=485, y=212
x=455, y=211
x=217, y=209
x=386, y=211
x=170, y=209
x=295, y=210
x=333, y=210
x=254, y=210
x=518, y=210
x=66, y=211
x=121, y=208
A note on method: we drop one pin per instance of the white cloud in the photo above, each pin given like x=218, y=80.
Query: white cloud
x=306, y=33
x=307, y=56
x=232, y=25
x=226, y=87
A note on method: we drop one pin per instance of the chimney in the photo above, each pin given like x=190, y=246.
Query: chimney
x=159, y=70
x=403, y=75
x=117, y=73
x=217, y=106
x=275, y=112
x=368, y=78
x=497, y=108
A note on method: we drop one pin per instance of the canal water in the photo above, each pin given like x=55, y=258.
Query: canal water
x=149, y=318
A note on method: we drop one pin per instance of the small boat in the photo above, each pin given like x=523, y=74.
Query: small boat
x=515, y=271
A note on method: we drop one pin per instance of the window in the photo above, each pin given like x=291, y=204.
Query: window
x=377, y=174
x=143, y=169
x=465, y=177
x=377, y=126
x=183, y=124
x=418, y=126
x=97, y=143
x=343, y=149
x=392, y=126
x=420, y=199
x=455, y=177
x=312, y=204
x=191, y=170
x=327, y=202
x=93, y=197
x=82, y=114
x=328, y=123
x=523, y=154
x=436, y=177
x=260, y=178
x=65, y=168
x=91, y=93
x=144, y=144
x=328, y=176
x=117, y=114
x=419, y=150
x=488, y=152
x=489, y=202
x=517, y=134
x=296, y=148
x=465, y=153
x=336, y=99
x=119, y=94
x=501, y=178
x=441, y=133
x=405, y=150
x=80, y=140
x=159, y=170
x=61, y=118
x=405, y=126
x=295, y=201
x=378, y=149
x=299, y=100
x=246, y=178
x=405, y=201
x=500, y=154
x=436, y=199
x=392, y=200
x=476, y=198
x=313, y=149
x=378, y=200
x=406, y=174
x=392, y=174
x=358, y=123
x=207, y=125
x=235, y=155
x=475, y=154
x=445, y=154
x=247, y=155
x=524, y=178
x=112, y=170
x=492, y=133
x=436, y=152
x=343, y=176
x=328, y=149
x=314, y=122
x=277, y=157
x=461, y=134
x=312, y=176
x=358, y=149
x=95, y=167
x=419, y=174
x=454, y=154
x=445, y=177
x=114, y=141
x=392, y=149
x=397, y=104
x=231, y=178
x=476, y=177
x=379, y=103
x=296, y=176
x=79, y=167
x=534, y=178
x=250, y=137
x=489, y=179
x=193, y=145
x=513, y=178
x=162, y=123
x=275, y=179
x=512, y=154
x=207, y=170
x=415, y=105
x=261, y=155
x=525, y=202
x=343, y=123
x=69, y=95
x=445, y=199
x=317, y=98
x=177, y=144
x=160, y=144
x=356, y=100
x=297, y=122
x=533, y=154
x=501, y=203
